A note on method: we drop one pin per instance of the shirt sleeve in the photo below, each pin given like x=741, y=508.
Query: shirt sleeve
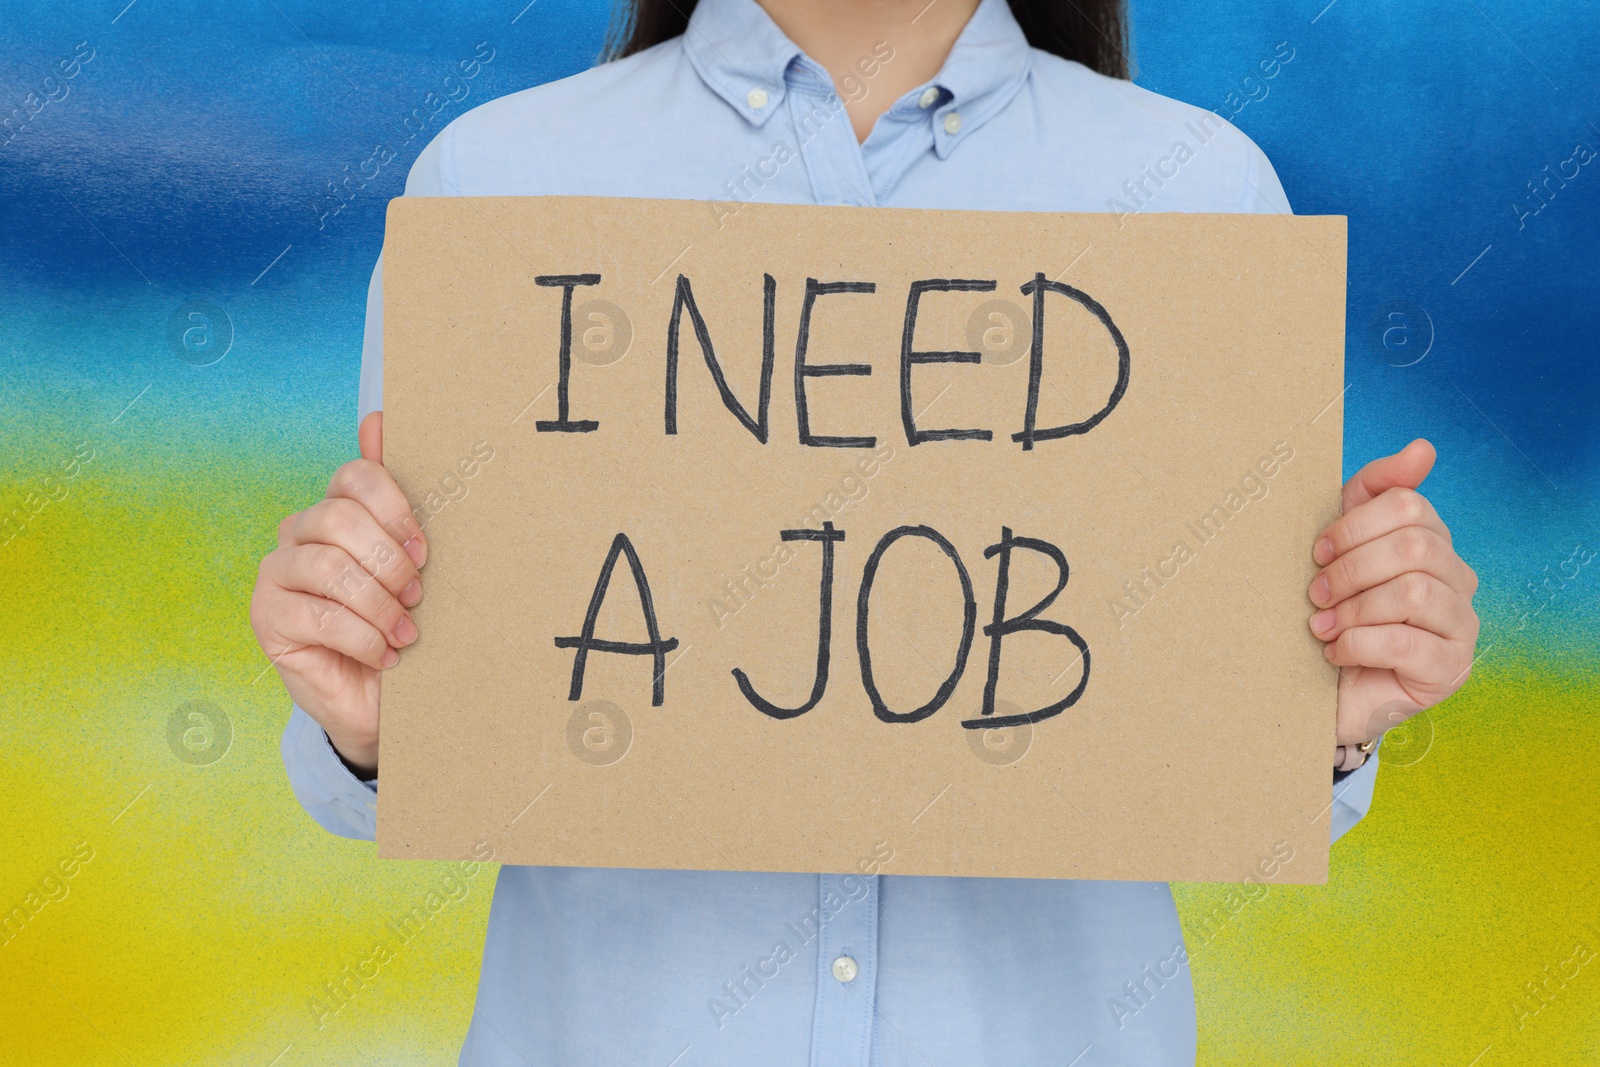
x=1352, y=796
x=1261, y=193
x=426, y=178
x=340, y=802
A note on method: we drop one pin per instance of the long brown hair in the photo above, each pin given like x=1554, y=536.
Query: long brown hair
x=1091, y=32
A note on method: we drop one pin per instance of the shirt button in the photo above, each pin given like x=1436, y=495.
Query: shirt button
x=757, y=98
x=930, y=96
x=844, y=969
x=952, y=122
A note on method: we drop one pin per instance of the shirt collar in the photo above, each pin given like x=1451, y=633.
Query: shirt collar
x=744, y=57
x=741, y=55
x=984, y=70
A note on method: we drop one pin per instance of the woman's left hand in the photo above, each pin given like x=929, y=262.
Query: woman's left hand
x=1395, y=600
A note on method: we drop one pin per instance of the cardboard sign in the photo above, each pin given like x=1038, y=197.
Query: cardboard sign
x=847, y=539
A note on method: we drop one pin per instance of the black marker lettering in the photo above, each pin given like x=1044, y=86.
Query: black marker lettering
x=684, y=298
x=909, y=358
x=1037, y=288
x=1028, y=620
x=561, y=423
x=969, y=623
x=827, y=535
x=587, y=641
x=802, y=371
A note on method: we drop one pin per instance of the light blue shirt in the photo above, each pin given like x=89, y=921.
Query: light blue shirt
x=605, y=967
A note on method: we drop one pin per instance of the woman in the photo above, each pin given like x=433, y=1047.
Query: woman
x=954, y=104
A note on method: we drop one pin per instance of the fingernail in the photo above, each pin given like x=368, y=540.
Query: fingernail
x=1319, y=589
x=411, y=595
x=405, y=631
x=1322, y=621
x=1323, y=553
x=1327, y=651
x=416, y=550
x=390, y=658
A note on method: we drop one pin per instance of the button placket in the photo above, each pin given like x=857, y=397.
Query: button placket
x=832, y=156
x=847, y=954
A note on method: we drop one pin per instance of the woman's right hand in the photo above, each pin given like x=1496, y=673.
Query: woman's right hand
x=329, y=607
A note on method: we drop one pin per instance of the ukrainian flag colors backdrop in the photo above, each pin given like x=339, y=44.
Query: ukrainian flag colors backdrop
x=191, y=197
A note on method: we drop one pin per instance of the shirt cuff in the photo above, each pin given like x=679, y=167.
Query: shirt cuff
x=1352, y=795
x=331, y=793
